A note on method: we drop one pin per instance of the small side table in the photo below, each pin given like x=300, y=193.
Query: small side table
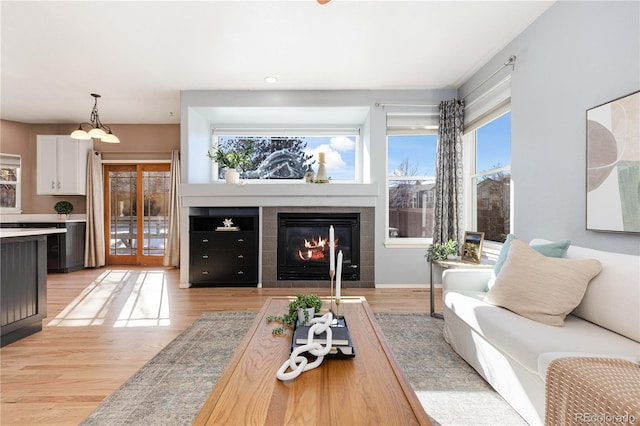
x=453, y=264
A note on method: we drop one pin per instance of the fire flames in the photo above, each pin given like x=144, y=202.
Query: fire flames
x=315, y=249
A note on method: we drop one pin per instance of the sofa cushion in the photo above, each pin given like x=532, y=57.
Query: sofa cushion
x=541, y=288
x=549, y=249
x=524, y=340
x=612, y=299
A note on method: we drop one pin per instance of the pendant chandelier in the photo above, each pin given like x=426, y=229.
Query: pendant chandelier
x=98, y=130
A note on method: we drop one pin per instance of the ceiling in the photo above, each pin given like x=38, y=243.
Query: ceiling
x=140, y=55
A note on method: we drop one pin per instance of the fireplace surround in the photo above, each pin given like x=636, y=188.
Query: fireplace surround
x=304, y=246
x=269, y=248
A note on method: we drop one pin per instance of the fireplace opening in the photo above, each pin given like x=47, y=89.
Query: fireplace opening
x=303, y=245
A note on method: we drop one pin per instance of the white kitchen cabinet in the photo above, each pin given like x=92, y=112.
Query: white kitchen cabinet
x=62, y=165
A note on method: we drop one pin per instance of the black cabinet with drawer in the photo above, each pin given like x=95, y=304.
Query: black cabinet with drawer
x=222, y=255
x=65, y=251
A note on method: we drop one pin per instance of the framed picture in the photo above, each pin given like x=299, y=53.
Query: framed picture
x=613, y=166
x=472, y=247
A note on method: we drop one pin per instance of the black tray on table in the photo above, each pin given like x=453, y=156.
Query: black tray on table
x=342, y=345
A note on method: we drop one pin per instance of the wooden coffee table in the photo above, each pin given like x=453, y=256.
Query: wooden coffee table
x=368, y=389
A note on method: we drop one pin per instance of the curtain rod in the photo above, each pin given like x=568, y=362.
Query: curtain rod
x=382, y=104
x=510, y=62
x=133, y=152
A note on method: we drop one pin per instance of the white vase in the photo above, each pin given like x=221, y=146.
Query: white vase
x=301, y=314
x=232, y=176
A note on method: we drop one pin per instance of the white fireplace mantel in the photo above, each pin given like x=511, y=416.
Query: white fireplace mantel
x=279, y=194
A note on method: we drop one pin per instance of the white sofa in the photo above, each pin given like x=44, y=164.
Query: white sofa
x=512, y=352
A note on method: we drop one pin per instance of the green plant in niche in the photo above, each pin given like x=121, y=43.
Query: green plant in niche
x=231, y=159
x=440, y=251
x=302, y=301
x=63, y=207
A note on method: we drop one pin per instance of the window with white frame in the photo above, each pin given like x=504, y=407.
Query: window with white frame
x=287, y=154
x=10, y=183
x=411, y=185
x=411, y=164
x=487, y=161
x=489, y=184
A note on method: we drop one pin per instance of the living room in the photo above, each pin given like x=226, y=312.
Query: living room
x=573, y=57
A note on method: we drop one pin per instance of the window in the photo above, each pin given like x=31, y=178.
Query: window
x=411, y=163
x=10, y=183
x=274, y=156
x=490, y=178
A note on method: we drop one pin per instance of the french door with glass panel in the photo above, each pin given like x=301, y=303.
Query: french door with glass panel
x=136, y=209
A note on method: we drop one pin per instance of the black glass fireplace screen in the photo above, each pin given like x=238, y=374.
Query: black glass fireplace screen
x=303, y=245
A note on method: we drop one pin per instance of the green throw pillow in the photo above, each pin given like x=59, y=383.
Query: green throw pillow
x=556, y=249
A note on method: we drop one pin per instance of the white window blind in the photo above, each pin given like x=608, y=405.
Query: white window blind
x=399, y=124
x=487, y=105
x=10, y=160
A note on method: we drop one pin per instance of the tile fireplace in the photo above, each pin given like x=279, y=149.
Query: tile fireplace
x=303, y=245
x=365, y=245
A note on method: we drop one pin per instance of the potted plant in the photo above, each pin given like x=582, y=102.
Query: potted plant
x=303, y=307
x=64, y=209
x=232, y=160
x=441, y=251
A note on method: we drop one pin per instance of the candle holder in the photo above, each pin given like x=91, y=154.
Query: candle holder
x=332, y=275
x=338, y=310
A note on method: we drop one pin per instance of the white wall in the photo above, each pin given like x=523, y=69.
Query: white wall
x=577, y=55
x=198, y=133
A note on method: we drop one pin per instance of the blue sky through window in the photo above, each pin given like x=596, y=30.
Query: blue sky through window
x=420, y=150
x=340, y=155
x=493, y=150
x=494, y=144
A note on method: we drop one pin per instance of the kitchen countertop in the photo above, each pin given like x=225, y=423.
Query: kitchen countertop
x=26, y=232
x=40, y=218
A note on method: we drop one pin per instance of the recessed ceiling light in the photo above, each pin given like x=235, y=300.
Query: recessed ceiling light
x=270, y=79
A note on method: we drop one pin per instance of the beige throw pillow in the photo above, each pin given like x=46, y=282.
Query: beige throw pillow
x=541, y=288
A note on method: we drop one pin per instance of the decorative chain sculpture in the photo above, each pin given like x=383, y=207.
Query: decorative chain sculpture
x=299, y=363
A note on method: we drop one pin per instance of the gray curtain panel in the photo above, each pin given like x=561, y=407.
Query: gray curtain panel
x=449, y=197
x=172, y=248
x=94, y=252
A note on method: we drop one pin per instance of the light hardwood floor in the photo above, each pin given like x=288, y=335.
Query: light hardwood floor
x=95, y=337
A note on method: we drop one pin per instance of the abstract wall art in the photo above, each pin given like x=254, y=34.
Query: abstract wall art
x=613, y=166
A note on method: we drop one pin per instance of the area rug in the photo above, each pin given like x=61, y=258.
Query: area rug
x=172, y=387
x=450, y=390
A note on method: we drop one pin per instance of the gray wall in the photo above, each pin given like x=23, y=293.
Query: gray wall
x=577, y=55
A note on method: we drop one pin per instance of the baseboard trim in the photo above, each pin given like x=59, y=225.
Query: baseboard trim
x=421, y=286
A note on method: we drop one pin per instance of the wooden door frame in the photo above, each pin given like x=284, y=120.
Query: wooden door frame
x=138, y=258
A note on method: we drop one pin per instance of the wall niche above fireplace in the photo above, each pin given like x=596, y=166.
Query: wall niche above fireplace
x=303, y=245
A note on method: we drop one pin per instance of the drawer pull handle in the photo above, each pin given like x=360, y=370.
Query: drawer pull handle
x=205, y=272
x=204, y=240
x=240, y=272
x=240, y=256
x=205, y=256
x=240, y=240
